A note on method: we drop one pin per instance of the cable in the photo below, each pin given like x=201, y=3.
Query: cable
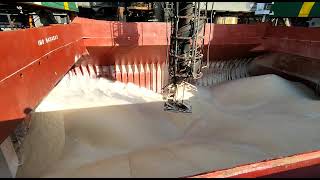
x=208, y=53
x=167, y=41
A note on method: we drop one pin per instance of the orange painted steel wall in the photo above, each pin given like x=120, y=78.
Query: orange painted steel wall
x=121, y=44
x=111, y=33
x=293, y=40
x=126, y=46
x=29, y=71
x=140, y=49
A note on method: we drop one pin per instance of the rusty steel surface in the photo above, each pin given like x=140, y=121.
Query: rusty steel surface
x=281, y=167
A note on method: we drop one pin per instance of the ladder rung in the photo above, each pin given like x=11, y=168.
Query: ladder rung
x=185, y=17
x=190, y=57
x=184, y=38
x=188, y=38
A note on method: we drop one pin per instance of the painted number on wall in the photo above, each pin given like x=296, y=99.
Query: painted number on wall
x=47, y=40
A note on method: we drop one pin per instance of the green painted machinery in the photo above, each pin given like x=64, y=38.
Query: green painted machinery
x=289, y=9
x=21, y=15
x=68, y=6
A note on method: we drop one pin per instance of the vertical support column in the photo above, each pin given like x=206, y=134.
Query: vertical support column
x=99, y=71
x=205, y=76
x=85, y=71
x=118, y=73
x=92, y=72
x=159, y=79
x=210, y=74
x=124, y=74
x=112, y=72
x=154, y=77
x=165, y=75
x=142, y=76
x=74, y=73
x=147, y=75
x=78, y=71
x=136, y=75
x=130, y=73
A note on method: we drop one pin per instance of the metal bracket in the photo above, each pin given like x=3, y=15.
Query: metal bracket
x=175, y=106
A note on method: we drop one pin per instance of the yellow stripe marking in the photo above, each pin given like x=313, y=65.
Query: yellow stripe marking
x=305, y=9
x=66, y=5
